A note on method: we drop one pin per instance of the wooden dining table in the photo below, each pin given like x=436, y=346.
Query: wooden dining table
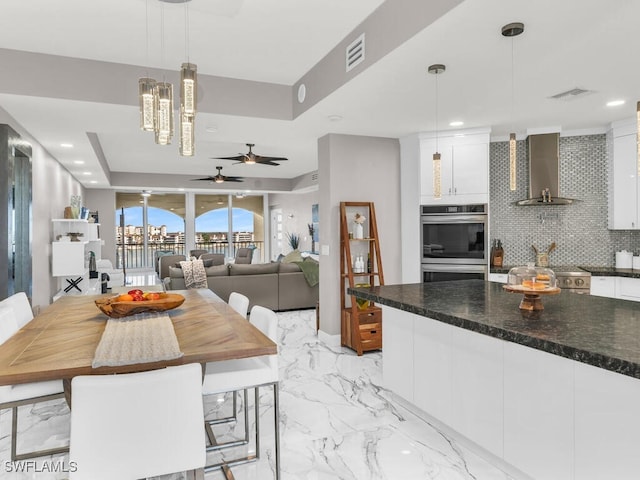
x=60, y=342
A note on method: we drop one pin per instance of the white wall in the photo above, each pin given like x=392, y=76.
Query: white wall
x=296, y=212
x=356, y=169
x=52, y=188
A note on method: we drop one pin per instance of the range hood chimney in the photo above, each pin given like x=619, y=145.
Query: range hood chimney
x=544, y=171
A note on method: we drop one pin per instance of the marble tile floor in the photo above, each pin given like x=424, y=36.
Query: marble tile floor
x=336, y=423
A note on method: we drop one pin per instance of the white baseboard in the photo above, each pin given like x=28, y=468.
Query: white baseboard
x=329, y=340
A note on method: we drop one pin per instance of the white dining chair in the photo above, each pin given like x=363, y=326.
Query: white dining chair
x=137, y=425
x=246, y=373
x=14, y=396
x=21, y=307
x=239, y=302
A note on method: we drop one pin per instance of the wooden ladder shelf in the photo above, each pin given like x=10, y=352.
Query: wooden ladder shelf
x=361, y=323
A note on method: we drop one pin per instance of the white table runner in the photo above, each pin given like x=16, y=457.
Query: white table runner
x=142, y=338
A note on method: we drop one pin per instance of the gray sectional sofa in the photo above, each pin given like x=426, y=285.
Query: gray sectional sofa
x=277, y=286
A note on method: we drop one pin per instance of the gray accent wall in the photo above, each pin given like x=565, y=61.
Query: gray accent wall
x=579, y=230
x=356, y=169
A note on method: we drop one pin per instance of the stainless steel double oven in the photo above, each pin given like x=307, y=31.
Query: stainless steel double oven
x=454, y=242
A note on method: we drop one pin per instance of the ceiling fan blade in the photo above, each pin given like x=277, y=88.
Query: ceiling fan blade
x=233, y=179
x=269, y=162
x=261, y=159
x=209, y=179
x=238, y=158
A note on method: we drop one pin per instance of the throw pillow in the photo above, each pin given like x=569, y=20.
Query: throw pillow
x=293, y=257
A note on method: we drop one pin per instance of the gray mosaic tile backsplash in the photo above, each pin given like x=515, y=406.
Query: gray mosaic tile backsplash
x=579, y=230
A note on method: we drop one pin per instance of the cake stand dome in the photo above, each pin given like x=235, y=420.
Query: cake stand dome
x=533, y=282
x=533, y=278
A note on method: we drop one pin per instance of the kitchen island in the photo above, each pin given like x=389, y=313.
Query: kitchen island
x=554, y=394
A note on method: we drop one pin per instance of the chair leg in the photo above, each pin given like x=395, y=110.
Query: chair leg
x=233, y=443
x=276, y=427
x=225, y=466
x=14, y=438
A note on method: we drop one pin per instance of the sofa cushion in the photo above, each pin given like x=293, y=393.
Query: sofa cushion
x=289, y=268
x=217, y=271
x=252, y=268
x=294, y=256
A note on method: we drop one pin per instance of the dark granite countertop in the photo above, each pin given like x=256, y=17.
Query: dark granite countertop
x=612, y=271
x=600, y=271
x=599, y=331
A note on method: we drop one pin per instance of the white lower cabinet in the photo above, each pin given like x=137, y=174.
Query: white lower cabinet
x=603, y=286
x=538, y=412
x=628, y=288
x=607, y=425
x=432, y=361
x=498, y=277
x=548, y=416
x=397, y=362
x=477, y=391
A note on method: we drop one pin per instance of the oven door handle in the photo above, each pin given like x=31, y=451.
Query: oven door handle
x=428, y=219
x=451, y=267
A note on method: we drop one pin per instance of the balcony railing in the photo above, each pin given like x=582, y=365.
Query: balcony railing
x=136, y=257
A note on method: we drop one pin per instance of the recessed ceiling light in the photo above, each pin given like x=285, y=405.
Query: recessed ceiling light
x=334, y=118
x=211, y=129
x=86, y=173
x=66, y=145
x=615, y=103
x=93, y=181
x=79, y=162
x=302, y=93
x=456, y=123
x=181, y=189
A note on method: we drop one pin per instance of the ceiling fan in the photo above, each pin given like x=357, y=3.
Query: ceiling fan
x=251, y=158
x=219, y=178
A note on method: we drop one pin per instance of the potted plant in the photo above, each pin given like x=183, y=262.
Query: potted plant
x=294, y=240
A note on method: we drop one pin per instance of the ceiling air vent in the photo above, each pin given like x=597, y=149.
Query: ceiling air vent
x=314, y=176
x=571, y=94
x=355, y=53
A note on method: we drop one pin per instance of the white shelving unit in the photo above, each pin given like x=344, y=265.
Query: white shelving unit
x=69, y=259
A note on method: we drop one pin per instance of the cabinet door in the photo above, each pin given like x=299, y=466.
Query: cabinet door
x=470, y=169
x=432, y=364
x=628, y=288
x=477, y=388
x=603, y=286
x=397, y=364
x=607, y=423
x=623, y=197
x=538, y=412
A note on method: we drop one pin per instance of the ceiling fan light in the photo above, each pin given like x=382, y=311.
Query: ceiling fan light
x=250, y=159
x=146, y=87
x=187, y=135
x=164, y=113
x=188, y=88
x=218, y=179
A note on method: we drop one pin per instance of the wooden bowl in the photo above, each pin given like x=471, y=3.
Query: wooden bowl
x=117, y=309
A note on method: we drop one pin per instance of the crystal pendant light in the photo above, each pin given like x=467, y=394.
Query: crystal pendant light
x=437, y=69
x=187, y=134
x=164, y=113
x=188, y=88
x=512, y=30
x=146, y=87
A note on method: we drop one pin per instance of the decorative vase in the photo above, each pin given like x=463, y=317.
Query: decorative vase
x=76, y=205
x=358, y=231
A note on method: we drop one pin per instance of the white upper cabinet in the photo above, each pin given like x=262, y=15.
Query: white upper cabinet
x=624, y=209
x=464, y=167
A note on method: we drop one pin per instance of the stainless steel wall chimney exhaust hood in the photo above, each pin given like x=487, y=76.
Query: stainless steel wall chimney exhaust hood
x=544, y=171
